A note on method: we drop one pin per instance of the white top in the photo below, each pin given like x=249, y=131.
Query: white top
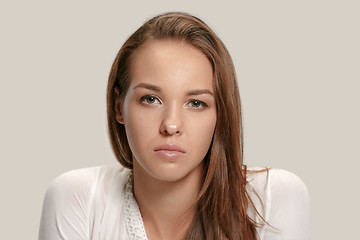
x=97, y=203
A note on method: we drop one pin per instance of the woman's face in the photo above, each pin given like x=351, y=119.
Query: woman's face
x=169, y=110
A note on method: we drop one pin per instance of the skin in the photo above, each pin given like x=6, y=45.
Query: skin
x=169, y=101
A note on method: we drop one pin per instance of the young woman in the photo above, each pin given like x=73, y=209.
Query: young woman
x=175, y=126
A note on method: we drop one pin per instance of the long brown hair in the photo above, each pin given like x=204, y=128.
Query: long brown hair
x=223, y=199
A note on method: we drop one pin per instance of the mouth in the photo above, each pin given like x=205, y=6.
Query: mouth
x=169, y=151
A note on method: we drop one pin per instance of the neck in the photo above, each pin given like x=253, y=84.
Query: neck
x=167, y=208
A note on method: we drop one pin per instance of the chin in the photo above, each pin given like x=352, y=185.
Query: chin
x=169, y=173
x=174, y=173
x=169, y=178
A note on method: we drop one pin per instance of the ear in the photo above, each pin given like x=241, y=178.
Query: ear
x=118, y=106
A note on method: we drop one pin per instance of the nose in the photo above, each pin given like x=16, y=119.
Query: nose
x=172, y=122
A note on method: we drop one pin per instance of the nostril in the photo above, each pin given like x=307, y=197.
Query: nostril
x=170, y=129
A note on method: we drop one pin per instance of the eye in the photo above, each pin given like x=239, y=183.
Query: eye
x=149, y=99
x=197, y=104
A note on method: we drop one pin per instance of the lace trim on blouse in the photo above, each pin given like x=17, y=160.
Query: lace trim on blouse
x=134, y=223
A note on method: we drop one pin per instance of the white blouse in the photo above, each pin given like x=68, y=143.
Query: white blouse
x=97, y=203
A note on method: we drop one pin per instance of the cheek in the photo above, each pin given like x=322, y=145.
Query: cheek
x=139, y=127
x=202, y=132
x=209, y=131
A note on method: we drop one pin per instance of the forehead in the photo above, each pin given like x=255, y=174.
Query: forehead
x=170, y=62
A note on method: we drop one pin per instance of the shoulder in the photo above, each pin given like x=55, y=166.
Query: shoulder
x=83, y=184
x=76, y=198
x=285, y=203
x=276, y=180
x=83, y=179
x=76, y=178
x=286, y=182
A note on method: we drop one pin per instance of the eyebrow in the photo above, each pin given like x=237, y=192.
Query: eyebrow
x=148, y=86
x=190, y=93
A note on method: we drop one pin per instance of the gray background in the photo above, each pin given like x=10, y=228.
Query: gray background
x=298, y=69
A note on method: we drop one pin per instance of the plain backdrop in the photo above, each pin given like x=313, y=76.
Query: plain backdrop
x=297, y=64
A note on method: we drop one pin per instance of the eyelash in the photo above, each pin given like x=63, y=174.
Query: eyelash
x=203, y=104
x=144, y=99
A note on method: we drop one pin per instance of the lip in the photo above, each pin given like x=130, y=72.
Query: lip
x=169, y=151
x=169, y=147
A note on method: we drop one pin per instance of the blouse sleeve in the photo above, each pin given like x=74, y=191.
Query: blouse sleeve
x=65, y=210
x=288, y=210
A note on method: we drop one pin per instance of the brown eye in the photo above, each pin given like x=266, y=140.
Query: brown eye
x=149, y=99
x=197, y=104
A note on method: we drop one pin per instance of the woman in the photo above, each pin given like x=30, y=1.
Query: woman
x=174, y=120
